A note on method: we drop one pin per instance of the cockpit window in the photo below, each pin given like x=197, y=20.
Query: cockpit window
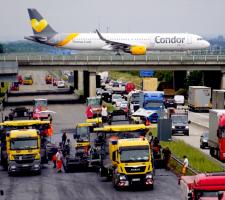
x=199, y=38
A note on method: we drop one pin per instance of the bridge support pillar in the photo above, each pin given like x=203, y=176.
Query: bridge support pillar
x=80, y=80
x=92, y=84
x=222, y=85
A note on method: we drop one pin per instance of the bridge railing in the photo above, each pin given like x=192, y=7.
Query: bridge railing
x=114, y=59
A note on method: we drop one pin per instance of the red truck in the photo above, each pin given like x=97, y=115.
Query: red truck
x=203, y=186
x=216, y=138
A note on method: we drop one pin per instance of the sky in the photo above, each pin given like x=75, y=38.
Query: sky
x=203, y=17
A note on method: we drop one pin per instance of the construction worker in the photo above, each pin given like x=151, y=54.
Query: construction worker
x=89, y=112
x=64, y=137
x=59, y=161
x=104, y=113
x=184, y=166
x=166, y=157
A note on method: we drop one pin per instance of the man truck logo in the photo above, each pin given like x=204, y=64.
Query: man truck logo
x=39, y=26
x=169, y=40
x=135, y=169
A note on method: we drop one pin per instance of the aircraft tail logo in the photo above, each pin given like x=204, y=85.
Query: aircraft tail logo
x=39, y=24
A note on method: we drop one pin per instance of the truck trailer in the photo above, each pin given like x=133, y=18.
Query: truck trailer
x=218, y=99
x=216, y=140
x=199, y=98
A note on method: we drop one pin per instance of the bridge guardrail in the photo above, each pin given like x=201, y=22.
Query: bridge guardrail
x=114, y=59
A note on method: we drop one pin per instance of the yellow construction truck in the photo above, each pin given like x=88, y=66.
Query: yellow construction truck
x=126, y=155
x=43, y=127
x=22, y=151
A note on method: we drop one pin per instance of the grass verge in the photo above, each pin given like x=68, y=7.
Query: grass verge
x=197, y=159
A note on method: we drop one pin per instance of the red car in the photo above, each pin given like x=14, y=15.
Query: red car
x=20, y=79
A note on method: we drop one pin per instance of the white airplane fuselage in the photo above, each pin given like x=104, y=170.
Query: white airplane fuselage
x=152, y=41
x=133, y=43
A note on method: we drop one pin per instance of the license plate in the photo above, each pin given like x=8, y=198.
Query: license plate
x=136, y=179
x=25, y=165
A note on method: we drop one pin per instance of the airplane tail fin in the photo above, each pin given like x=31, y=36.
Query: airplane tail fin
x=39, y=25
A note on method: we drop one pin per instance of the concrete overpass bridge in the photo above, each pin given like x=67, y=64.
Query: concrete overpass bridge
x=86, y=66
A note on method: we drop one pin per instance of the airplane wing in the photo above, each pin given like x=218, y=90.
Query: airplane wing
x=115, y=45
x=119, y=46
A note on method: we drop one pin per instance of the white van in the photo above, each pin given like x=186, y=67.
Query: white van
x=179, y=99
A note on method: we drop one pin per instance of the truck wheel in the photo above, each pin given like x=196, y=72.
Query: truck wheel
x=187, y=134
x=218, y=154
x=114, y=183
x=151, y=187
x=38, y=172
x=211, y=151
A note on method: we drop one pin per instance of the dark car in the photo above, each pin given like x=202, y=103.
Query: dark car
x=170, y=103
x=204, y=140
x=106, y=96
x=19, y=113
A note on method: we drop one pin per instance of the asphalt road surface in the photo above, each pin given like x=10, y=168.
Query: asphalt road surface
x=79, y=185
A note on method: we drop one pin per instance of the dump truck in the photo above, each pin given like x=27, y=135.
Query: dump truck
x=126, y=155
x=199, y=98
x=218, y=99
x=216, y=138
x=44, y=128
x=21, y=151
x=203, y=186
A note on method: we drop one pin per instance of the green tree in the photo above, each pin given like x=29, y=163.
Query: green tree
x=194, y=79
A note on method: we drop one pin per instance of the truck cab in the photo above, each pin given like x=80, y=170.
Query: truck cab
x=203, y=186
x=126, y=155
x=133, y=99
x=43, y=127
x=153, y=100
x=23, y=151
x=95, y=104
x=131, y=162
x=40, y=106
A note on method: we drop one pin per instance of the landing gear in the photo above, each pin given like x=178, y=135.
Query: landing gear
x=118, y=53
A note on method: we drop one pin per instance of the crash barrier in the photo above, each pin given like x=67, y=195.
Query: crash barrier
x=180, y=163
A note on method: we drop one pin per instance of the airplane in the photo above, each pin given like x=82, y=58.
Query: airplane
x=132, y=43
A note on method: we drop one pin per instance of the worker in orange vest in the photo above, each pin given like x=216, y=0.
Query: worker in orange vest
x=59, y=161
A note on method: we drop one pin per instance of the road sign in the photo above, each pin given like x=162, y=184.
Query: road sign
x=145, y=73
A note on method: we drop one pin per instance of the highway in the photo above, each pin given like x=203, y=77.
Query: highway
x=78, y=185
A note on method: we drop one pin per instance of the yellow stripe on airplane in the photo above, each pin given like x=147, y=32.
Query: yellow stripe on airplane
x=39, y=26
x=67, y=39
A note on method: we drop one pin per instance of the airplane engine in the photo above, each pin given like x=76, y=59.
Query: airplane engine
x=137, y=50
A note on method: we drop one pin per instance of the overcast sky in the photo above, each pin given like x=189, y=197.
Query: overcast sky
x=204, y=17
